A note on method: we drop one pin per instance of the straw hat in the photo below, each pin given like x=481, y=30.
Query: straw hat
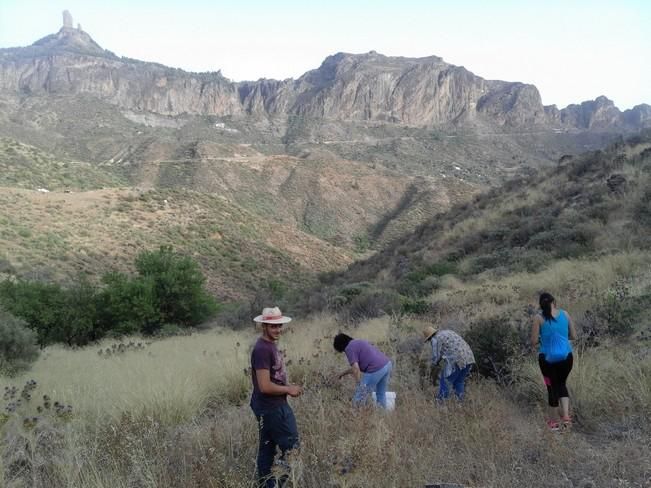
x=272, y=316
x=428, y=332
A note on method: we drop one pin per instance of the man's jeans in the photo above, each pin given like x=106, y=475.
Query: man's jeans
x=376, y=382
x=457, y=379
x=277, y=428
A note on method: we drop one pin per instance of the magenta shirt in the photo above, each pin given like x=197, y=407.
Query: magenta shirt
x=369, y=358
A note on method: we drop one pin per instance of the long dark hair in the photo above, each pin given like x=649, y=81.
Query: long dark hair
x=546, y=301
x=341, y=342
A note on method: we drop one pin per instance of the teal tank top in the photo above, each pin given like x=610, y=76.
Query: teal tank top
x=554, y=338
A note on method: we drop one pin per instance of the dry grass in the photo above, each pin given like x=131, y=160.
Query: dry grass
x=59, y=236
x=611, y=388
x=577, y=285
x=175, y=415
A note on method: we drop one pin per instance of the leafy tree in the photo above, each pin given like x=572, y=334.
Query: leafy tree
x=78, y=318
x=127, y=305
x=38, y=304
x=168, y=289
x=178, y=287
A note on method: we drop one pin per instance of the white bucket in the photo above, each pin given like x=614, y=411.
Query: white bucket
x=391, y=399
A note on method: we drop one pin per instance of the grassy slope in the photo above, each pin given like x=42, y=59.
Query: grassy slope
x=574, y=212
x=24, y=166
x=60, y=235
x=183, y=419
x=141, y=149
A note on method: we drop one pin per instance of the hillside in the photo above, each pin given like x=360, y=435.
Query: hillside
x=58, y=236
x=582, y=227
x=587, y=205
x=354, y=153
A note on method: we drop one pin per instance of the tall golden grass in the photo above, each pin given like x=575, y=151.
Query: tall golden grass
x=577, y=284
x=175, y=415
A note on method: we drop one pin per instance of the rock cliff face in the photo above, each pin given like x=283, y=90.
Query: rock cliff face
x=366, y=87
x=70, y=62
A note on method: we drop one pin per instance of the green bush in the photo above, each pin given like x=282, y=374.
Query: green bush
x=496, y=345
x=167, y=290
x=56, y=314
x=178, y=287
x=426, y=279
x=18, y=348
x=417, y=307
x=370, y=304
x=618, y=311
x=127, y=305
x=40, y=305
x=236, y=315
x=353, y=290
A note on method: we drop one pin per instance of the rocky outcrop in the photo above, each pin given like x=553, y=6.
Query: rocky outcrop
x=70, y=62
x=600, y=113
x=67, y=19
x=366, y=87
x=424, y=91
x=514, y=104
x=638, y=116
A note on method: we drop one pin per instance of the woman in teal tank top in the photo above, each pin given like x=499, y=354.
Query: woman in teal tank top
x=551, y=333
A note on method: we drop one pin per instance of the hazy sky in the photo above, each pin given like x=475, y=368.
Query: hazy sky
x=572, y=50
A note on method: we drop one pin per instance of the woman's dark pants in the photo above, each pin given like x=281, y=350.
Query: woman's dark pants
x=555, y=375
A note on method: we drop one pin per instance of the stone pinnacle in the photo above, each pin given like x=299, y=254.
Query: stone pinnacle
x=67, y=19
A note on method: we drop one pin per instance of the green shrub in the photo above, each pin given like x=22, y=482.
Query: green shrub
x=368, y=305
x=361, y=243
x=485, y=262
x=40, y=305
x=426, y=279
x=168, y=290
x=18, y=348
x=618, y=311
x=127, y=305
x=496, y=345
x=442, y=268
x=417, y=307
x=353, y=290
x=418, y=288
x=337, y=302
x=178, y=287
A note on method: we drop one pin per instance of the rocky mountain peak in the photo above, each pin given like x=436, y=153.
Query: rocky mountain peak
x=369, y=86
x=70, y=39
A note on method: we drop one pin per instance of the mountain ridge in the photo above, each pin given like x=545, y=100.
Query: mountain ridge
x=423, y=91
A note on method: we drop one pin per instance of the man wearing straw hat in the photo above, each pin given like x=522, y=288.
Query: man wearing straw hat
x=457, y=357
x=276, y=421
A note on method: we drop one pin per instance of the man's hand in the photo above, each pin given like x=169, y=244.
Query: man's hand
x=294, y=390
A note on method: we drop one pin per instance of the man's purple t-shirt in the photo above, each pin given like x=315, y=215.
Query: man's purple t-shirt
x=265, y=355
x=368, y=357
